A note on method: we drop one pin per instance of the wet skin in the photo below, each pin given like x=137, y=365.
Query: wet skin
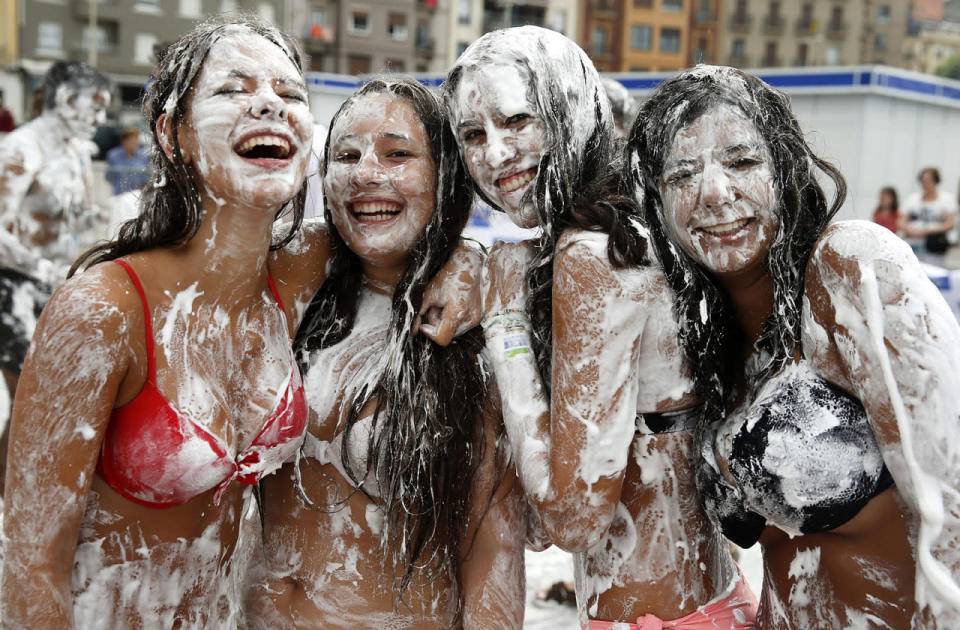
x=326, y=568
x=868, y=566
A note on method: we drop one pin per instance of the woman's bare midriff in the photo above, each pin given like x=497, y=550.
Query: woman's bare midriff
x=680, y=561
x=861, y=573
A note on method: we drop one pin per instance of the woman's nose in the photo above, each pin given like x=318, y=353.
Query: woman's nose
x=715, y=186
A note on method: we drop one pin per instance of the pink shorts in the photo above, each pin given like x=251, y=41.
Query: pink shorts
x=735, y=611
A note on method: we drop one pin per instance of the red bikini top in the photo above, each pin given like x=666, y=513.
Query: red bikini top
x=156, y=456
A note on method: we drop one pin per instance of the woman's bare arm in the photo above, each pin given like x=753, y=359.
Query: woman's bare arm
x=572, y=453
x=877, y=326
x=67, y=391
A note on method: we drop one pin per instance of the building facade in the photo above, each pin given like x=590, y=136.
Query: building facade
x=118, y=37
x=776, y=33
x=642, y=35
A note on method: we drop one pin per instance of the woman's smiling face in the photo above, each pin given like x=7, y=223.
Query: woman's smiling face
x=249, y=127
x=501, y=137
x=380, y=178
x=718, y=192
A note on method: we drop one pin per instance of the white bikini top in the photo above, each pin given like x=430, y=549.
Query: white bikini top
x=332, y=453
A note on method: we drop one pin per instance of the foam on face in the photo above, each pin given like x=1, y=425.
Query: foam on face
x=718, y=191
x=381, y=179
x=248, y=88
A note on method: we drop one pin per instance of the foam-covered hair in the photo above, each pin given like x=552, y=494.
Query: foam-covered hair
x=577, y=183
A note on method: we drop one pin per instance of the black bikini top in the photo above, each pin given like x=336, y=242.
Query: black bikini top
x=668, y=422
x=803, y=457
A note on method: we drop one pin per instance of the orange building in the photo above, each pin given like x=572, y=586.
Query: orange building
x=638, y=35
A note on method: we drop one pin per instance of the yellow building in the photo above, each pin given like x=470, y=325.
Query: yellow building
x=8, y=32
x=636, y=35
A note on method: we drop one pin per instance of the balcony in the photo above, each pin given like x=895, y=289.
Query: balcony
x=740, y=23
x=805, y=27
x=773, y=25
x=837, y=30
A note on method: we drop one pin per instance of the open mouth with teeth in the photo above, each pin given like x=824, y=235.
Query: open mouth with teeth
x=267, y=147
x=516, y=181
x=727, y=229
x=374, y=210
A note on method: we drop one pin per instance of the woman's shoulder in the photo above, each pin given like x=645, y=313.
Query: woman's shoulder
x=858, y=242
x=583, y=253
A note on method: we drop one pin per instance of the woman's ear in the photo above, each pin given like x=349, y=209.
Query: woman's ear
x=165, y=138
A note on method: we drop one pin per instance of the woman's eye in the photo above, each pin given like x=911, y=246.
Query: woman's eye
x=399, y=153
x=472, y=135
x=745, y=162
x=346, y=156
x=294, y=96
x=679, y=177
x=229, y=90
x=518, y=119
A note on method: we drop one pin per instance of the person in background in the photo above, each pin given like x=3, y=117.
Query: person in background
x=887, y=213
x=6, y=118
x=128, y=165
x=621, y=104
x=929, y=216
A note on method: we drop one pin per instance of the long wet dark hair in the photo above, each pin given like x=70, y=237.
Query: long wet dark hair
x=578, y=184
x=427, y=439
x=170, y=210
x=713, y=344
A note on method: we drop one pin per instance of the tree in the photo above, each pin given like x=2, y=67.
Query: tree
x=949, y=68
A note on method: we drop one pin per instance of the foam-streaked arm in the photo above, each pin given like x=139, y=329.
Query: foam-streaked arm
x=899, y=351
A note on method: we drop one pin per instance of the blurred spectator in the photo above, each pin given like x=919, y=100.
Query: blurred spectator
x=929, y=216
x=128, y=165
x=887, y=213
x=36, y=103
x=6, y=118
x=621, y=104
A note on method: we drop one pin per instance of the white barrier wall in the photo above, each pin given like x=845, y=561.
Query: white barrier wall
x=880, y=125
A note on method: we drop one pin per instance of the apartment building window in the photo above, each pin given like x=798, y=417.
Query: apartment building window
x=641, y=37
x=463, y=11
x=267, y=12
x=670, y=40
x=642, y=4
x=770, y=55
x=558, y=20
x=190, y=8
x=739, y=49
x=599, y=40
x=143, y=44
x=462, y=48
x=832, y=58
x=672, y=6
x=836, y=17
x=740, y=13
x=774, y=12
x=358, y=64
x=703, y=13
x=806, y=16
x=146, y=6
x=397, y=26
x=360, y=23
x=802, y=52
x=880, y=43
x=49, y=38
x=104, y=38
x=883, y=14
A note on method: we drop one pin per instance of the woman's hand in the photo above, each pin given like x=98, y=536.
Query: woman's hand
x=452, y=302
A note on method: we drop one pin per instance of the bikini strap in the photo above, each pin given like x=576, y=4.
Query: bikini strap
x=147, y=326
x=276, y=296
